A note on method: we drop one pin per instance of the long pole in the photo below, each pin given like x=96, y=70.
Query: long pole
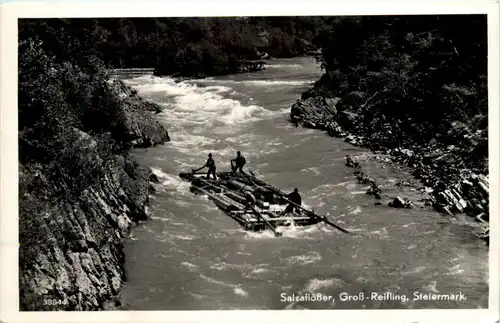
x=317, y=216
x=307, y=211
x=278, y=234
x=257, y=213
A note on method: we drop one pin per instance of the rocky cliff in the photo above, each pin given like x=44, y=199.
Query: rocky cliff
x=71, y=235
x=144, y=129
x=442, y=168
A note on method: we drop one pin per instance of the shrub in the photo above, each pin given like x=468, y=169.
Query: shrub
x=72, y=124
x=420, y=74
x=175, y=46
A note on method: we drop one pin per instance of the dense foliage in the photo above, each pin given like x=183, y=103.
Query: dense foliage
x=71, y=125
x=414, y=79
x=183, y=46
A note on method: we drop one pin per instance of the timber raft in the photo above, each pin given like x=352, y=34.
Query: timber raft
x=228, y=193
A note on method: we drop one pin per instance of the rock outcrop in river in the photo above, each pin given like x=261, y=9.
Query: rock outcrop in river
x=143, y=128
x=72, y=258
x=454, y=188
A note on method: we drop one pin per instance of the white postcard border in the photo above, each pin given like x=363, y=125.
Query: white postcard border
x=10, y=12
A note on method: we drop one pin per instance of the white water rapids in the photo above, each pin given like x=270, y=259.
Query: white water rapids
x=190, y=255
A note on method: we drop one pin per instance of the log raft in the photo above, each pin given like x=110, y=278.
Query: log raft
x=268, y=212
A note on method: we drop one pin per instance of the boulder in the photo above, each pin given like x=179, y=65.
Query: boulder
x=350, y=162
x=335, y=130
x=398, y=202
x=153, y=178
x=375, y=191
x=481, y=218
x=364, y=179
x=140, y=122
x=347, y=119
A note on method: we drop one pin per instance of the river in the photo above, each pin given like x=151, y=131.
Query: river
x=191, y=256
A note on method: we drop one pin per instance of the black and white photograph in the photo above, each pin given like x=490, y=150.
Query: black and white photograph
x=253, y=162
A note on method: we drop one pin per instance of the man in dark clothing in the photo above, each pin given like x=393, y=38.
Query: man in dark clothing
x=238, y=163
x=295, y=198
x=211, y=167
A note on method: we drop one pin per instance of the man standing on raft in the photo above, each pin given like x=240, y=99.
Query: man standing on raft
x=211, y=167
x=238, y=163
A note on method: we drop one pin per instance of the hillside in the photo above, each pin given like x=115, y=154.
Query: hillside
x=175, y=46
x=79, y=193
x=414, y=87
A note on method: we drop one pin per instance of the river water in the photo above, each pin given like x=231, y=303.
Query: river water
x=190, y=255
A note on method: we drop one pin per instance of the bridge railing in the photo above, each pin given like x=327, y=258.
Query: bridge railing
x=132, y=71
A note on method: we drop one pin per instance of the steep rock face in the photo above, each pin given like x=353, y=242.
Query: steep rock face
x=452, y=192
x=71, y=253
x=144, y=129
x=314, y=112
x=81, y=262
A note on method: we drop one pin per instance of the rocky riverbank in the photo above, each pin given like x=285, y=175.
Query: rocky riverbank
x=452, y=187
x=71, y=252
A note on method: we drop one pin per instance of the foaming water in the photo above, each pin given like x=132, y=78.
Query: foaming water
x=189, y=104
x=307, y=258
x=259, y=83
x=190, y=255
x=285, y=66
x=317, y=284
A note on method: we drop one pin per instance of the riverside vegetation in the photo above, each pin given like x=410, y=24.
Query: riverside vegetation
x=413, y=87
x=79, y=192
x=177, y=46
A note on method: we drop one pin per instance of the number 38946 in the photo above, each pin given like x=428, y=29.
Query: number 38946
x=55, y=302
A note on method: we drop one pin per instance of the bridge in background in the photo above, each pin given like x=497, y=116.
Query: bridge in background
x=132, y=71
